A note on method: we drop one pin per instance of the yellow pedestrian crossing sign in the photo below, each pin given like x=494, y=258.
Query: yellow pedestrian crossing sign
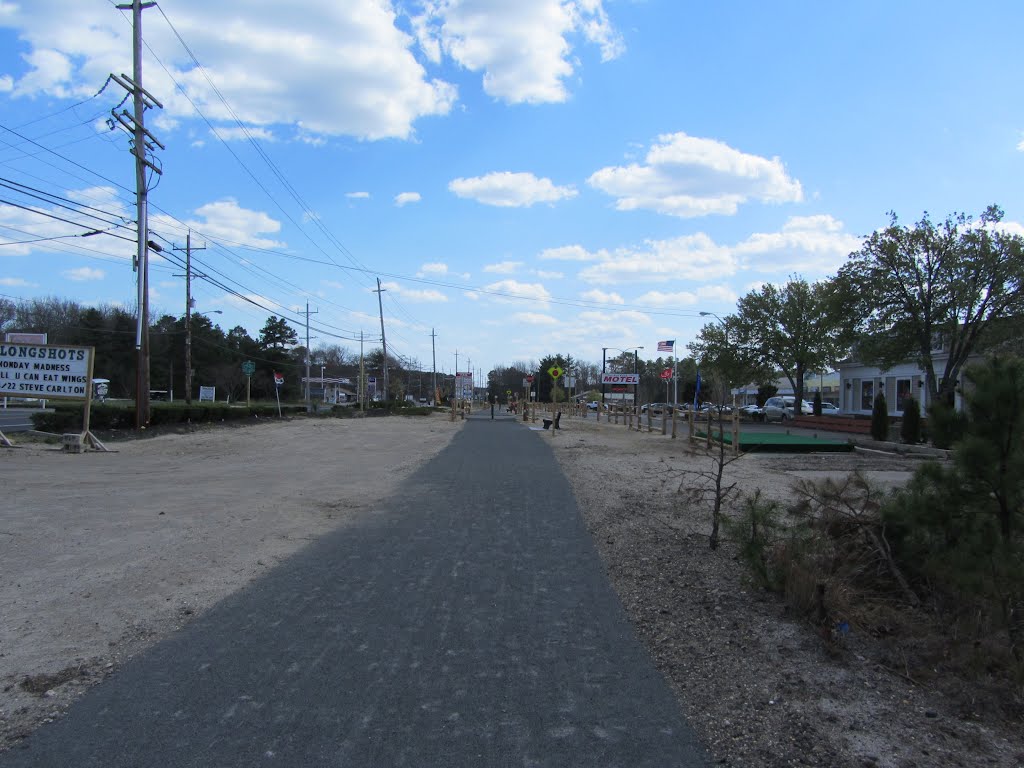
x=555, y=372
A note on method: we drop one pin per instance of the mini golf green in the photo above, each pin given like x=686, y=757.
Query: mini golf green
x=781, y=442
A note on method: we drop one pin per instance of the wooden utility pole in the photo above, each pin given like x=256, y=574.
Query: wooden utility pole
x=188, y=315
x=362, y=377
x=383, y=338
x=433, y=356
x=308, y=313
x=141, y=141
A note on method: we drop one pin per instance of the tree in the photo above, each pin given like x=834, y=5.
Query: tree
x=790, y=328
x=880, y=418
x=916, y=288
x=962, y=526
x=910, y=427
x=277, y=334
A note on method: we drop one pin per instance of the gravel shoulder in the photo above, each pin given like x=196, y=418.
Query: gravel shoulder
x=760, y=687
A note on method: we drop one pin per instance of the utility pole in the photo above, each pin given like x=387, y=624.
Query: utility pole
x=361, y=390
x=457, y=389
x=188, y=314
x=383, y=338
x=308, y=313
x=141, y=141
x=433, y=357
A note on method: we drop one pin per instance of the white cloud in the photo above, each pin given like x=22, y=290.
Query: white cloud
x=1020, y=146
x=504, y=267
x=433, y=268
x=544, y=274
x=404, y=198
x=569, y=253
x=421, y=295
x=357, y=195
x=36, y=233
x=510, y=190
x=227, y=220
x=1011, y=228
x=17, y=282
x=813, y=246
x=687, y=176
x=82, y=274
x=602, y=297
x=236, y=133
x=691, y=257
x=703, y=294
x=523, y=48
x=270, y=63
x=534, y=318
x=534, y=291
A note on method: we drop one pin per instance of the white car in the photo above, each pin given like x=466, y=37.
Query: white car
x=829, y=409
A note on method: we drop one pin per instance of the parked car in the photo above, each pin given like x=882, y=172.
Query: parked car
x=592, y=405
x=709, y=407
x=781, y=408
x=830, y=409
x=655, y=408
x=752, y=411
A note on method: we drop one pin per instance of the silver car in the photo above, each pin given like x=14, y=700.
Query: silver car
x=780, y=408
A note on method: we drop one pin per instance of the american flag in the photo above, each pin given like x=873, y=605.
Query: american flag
x=666, y=346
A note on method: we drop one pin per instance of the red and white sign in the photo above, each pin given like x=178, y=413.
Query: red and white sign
x=529, y=378
x=278, y=379
x=620, y=378
x=667, y=373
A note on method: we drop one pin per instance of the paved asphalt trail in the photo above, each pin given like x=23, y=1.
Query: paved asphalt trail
x=466, y=622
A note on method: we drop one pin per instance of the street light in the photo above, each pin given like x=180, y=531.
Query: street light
x=323, y=389
x=188, y=348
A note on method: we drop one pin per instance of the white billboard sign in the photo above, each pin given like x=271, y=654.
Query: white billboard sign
x=620, y=378
x=44, y=371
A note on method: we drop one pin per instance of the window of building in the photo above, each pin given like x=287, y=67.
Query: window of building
x=867, y=395
x=903, y=391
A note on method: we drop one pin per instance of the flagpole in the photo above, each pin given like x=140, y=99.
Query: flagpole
x=675, y=375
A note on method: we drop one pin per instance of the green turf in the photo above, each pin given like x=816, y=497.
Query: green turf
x=780, y=442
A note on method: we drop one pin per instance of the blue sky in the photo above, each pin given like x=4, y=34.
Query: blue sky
x=525, y=178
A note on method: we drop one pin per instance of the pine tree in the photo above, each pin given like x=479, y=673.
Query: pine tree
x=880, y=418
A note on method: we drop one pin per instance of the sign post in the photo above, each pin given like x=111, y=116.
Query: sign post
x=248, y=368
x=278, y=383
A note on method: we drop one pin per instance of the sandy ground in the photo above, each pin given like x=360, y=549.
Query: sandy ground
x=103, y=554
x=761, y=687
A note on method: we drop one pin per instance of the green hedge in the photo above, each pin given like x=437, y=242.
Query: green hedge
x=67, y=417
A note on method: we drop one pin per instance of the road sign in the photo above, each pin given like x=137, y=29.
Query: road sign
x=620, y=378
x=508, y=391
x=248, y=367
x=667, y=373
x=278, y=379
x=529, y=378
x=555, y=372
